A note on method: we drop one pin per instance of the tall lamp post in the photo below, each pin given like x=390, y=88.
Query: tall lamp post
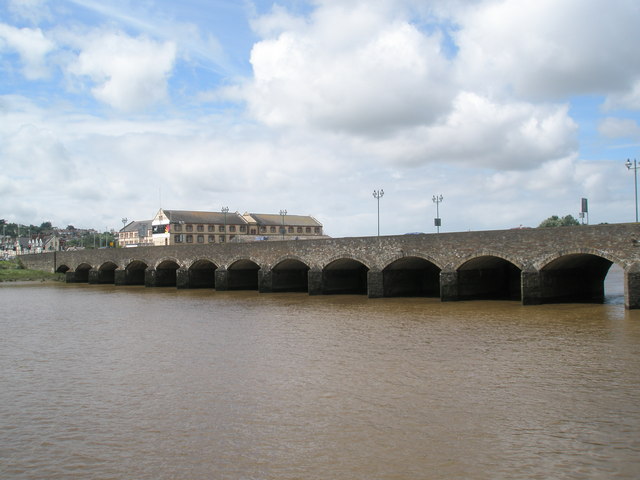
x=225, y=210
x=282, y=214
x=634, y=166
x=124, y=224
x=378, y=194
x=437, y=221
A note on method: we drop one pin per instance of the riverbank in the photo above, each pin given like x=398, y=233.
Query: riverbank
x=14, y=271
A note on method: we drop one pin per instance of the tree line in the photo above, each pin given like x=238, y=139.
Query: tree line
x=556, y=221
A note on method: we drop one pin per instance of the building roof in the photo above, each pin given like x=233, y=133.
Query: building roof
x=290, y=220
x=135, y=226
x=189, y=216
x=23, y=241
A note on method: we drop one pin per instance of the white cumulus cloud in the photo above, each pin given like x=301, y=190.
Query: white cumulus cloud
x=482, y=133
x=629, y=98
x=348, y=69
x=32, y=10
x=32, y=46
x=546, y=49
x=612, y=127
x=129, y=74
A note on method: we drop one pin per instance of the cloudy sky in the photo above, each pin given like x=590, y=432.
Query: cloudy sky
x=513, y=110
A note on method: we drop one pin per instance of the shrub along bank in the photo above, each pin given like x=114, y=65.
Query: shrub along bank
x=14, y=271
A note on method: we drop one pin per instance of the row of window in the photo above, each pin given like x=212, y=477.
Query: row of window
x=289, y=229
x=128, y=234
x=210, y=228
x=243, y=228
x=182, y=238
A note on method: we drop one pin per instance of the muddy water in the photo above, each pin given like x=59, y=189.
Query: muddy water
x=102, y=382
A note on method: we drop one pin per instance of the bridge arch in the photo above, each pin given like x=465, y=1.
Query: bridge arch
x=233, y=260
x=167, y=262
x=202, y=262
x=290, y=275
x=165, y=273
x=411, y=276
x=105, y=273
x=489, y=253
x=106, y=266
x=243, y=275
x=81, y=274
x=134, y=273
x=334, y=258
x=489, y=276
x=291, y=256
x=575, y=276
x=202, y=273
x=389, y=259
x=345, y=275
x=62, y=268
x=542, y=262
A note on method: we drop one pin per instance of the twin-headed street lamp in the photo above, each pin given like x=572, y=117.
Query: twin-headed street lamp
x=378, y=194
x=437, y=221
x=634, y=166
x=283, y=213
x=225, y=210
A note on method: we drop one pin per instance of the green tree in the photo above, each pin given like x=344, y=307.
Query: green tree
x=555, y=221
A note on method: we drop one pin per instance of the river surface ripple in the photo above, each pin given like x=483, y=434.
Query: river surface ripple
x=103, y=382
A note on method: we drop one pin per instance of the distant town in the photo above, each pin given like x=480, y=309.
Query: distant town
x=167, y=227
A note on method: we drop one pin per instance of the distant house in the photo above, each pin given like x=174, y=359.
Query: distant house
x=22, y=245
x=52, y=243
x=136, y=234
x=35, y=244
x=175, y=227
x=38, y=243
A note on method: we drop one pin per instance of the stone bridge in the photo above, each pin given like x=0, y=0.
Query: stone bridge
x=533, y=266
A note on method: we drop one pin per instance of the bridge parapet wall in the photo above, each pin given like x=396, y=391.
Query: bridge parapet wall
x=524, y=248
x=40, y=261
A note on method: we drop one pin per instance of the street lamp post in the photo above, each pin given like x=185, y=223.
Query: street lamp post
x=437, y=221
x=378, y=194
x=282, y=214
x=225, y=210
x=124, y=224
x=634, y=166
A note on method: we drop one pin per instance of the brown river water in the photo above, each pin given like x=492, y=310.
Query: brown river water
x=103, y=382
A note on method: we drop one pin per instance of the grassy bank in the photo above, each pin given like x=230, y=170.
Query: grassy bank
x=14, y=271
